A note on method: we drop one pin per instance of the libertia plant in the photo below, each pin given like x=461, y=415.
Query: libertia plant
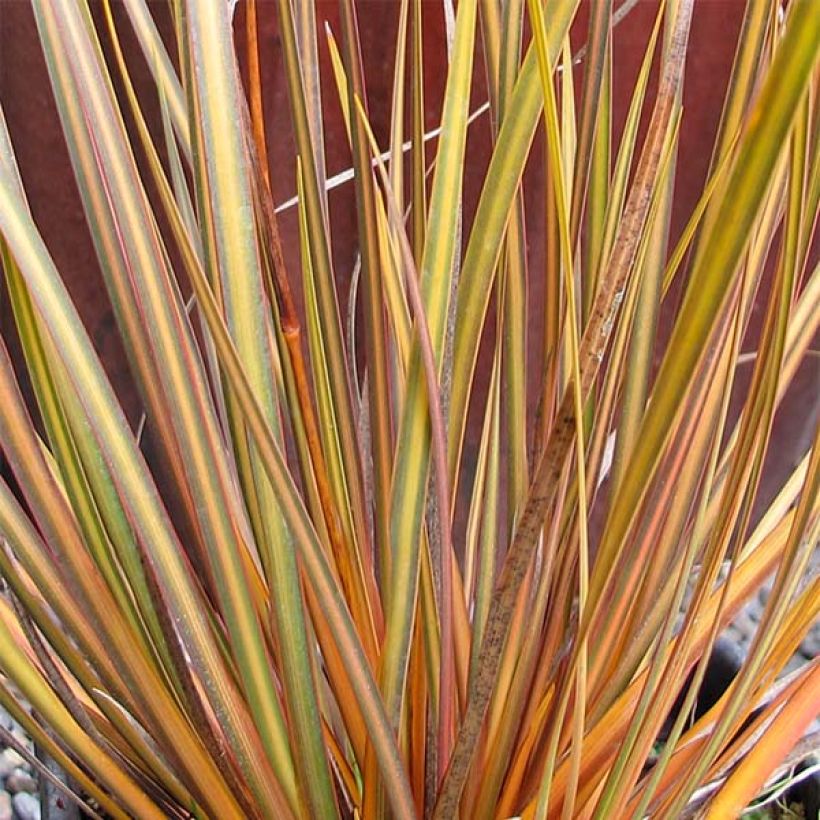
x=290, y=623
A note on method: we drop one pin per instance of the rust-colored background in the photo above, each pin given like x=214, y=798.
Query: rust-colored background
x=45, y=167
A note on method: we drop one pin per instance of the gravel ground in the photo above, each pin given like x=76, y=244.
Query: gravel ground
x=745, y=625
x=19, y=798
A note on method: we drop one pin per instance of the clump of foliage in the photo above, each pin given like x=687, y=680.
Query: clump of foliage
x=292, y=626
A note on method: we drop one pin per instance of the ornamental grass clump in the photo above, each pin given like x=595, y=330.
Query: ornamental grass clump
x=309, y=601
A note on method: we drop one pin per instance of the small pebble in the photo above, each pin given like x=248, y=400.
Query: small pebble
x=810, y=647
x=26, y=742
x=6, y=720
x=5, y=806
x=20, y=781
x=9, y=761
x=26, y=806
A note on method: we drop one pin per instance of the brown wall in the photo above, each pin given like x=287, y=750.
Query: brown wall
x=26, y=99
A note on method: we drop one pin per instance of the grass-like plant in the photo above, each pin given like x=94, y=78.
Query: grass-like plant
x=293, y=626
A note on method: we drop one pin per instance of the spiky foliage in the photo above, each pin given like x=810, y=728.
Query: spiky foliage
x=294, y=626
